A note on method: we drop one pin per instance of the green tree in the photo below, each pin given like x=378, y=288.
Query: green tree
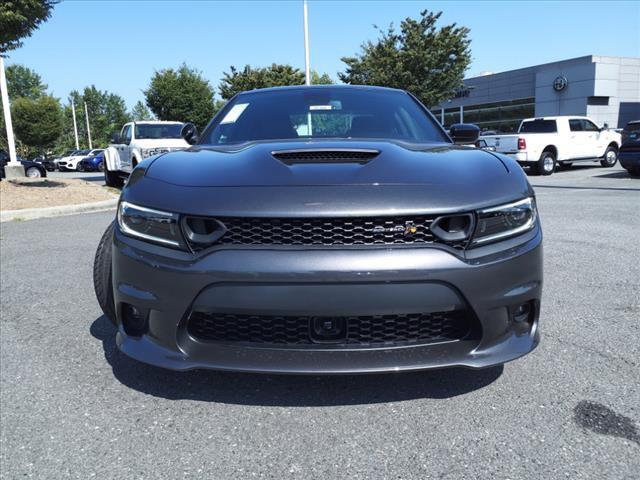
x=250, y=78
x=317, y=79
x=107, y=114
x=19, y=18
x=426, y=60
x=140, y=112
x=24, y=82
x=182, y=94
x=37, y=123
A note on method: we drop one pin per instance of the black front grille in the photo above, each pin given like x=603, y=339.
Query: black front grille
x=291, y=157
x=360, y=331
x=330, y=231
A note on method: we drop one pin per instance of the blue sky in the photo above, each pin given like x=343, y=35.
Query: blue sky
x=118, y=45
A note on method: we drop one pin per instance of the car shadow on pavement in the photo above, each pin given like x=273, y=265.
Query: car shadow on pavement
x=286, y=390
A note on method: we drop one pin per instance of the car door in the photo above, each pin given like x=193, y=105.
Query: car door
x=574, y=148
x=123, y=147
x=595, y=139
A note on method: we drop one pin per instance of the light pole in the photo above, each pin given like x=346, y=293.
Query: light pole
x=75, y=127
x=86, y=114
x=13, y=169
x=307, y=71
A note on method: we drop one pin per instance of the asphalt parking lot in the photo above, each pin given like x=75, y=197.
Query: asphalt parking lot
x=94, y=177
x=72, y=406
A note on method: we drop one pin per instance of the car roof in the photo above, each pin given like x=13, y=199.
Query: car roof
x=320, y=87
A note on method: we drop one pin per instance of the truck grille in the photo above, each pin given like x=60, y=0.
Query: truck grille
x=330, y=231
x=359, y=331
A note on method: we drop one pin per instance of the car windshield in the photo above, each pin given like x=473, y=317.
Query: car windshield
x=82, y=152
x=151, y=131
x=322, y=112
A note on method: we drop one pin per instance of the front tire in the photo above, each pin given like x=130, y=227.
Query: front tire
x=112, y=179
x=79, y=168
x=102, y=282
x=547, y=163
x=610, y=157
x=33, y=172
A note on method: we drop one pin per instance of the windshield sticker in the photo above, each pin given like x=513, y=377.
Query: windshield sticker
x=320, y=107
x=234, y=114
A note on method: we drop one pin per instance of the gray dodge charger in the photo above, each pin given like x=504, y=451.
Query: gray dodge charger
x=328, y=229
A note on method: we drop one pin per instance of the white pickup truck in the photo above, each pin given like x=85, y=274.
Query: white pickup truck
x=137, y=141
x=548, y=142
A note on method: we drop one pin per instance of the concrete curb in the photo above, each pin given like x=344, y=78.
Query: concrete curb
x=33, y=213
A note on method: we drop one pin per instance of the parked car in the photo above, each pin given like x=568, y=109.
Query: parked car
x=547, y=142
x=48, y=163
x=630, y=148
x=369, y=244
x=51, y=164
x=70, y=162
x=31, y=169
x=137, y=141
x=93, y=163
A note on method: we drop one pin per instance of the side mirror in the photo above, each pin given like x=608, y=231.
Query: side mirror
x=464, y=133
x=605, y=126
x=190, y=133
x=115, y=137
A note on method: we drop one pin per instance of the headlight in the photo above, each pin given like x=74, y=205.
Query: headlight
x=151, y=225
x=505, y=221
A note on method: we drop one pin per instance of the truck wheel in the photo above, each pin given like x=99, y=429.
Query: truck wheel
x=547, y=163
x=610, y=157
x=112, y=179
x=102, y=274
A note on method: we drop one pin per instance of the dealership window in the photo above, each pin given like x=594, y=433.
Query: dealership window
x=500, y=116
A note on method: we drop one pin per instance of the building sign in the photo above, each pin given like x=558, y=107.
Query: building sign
x=560, y=83
x=462, y=92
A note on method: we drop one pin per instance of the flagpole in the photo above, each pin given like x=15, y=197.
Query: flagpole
x=75, y=127
x=86, y=114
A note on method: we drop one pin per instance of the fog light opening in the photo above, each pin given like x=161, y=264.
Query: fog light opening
x=524, y=314
x=134, y=320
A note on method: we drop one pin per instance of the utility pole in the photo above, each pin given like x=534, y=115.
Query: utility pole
x=75, y=127
x=13, y=168
x=86, y=114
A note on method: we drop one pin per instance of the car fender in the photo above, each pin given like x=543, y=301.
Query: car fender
x=112, y=159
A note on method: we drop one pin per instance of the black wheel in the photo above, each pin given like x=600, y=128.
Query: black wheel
x=79, y=167
x=102, y=274
x=33, y=172
x=547, y=163
x=610, y=157
x=112, y=179
x=634, y=172
x=101, y=167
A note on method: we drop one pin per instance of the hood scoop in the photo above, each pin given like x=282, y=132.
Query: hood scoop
x=325, y=155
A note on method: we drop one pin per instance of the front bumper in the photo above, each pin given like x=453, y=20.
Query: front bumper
x=629, y=159
x=169, y=285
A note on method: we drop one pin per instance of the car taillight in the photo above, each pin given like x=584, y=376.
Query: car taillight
x=522, y=144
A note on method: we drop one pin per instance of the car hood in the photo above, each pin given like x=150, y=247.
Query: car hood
x=396, y=163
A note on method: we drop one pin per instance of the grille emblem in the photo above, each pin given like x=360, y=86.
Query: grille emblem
x=408, y=229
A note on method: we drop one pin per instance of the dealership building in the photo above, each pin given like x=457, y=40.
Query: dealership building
x=607, y=89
